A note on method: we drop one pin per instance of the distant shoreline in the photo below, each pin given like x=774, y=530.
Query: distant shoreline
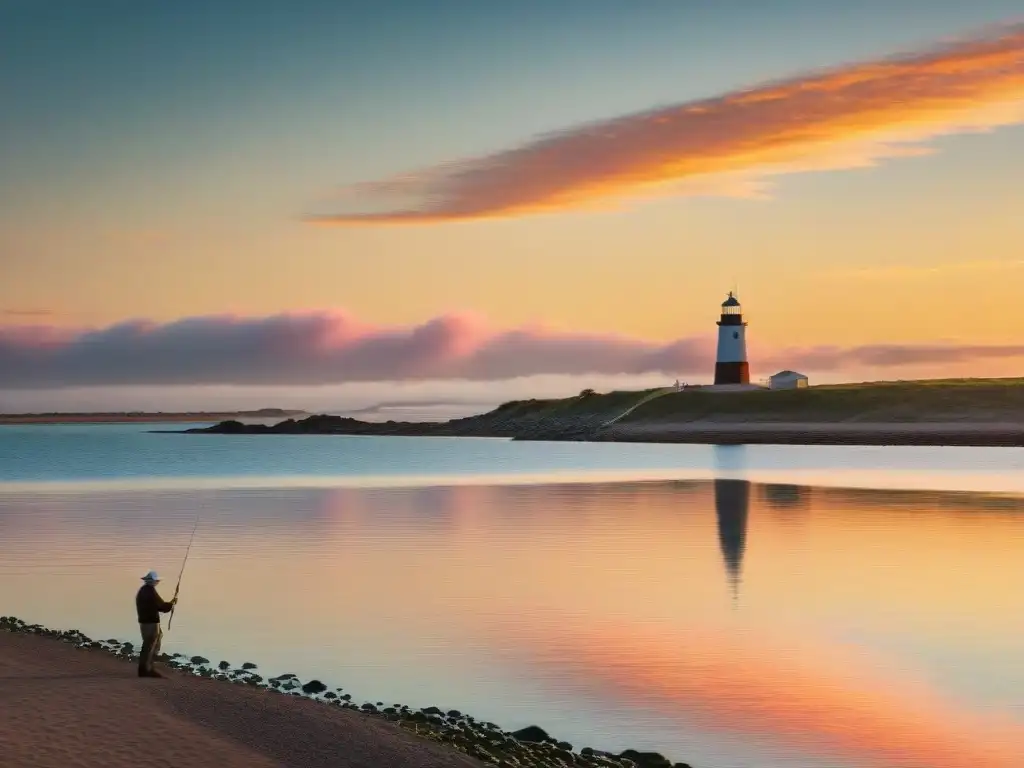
x=704, y=433
x=128, y=417
x=977, y=413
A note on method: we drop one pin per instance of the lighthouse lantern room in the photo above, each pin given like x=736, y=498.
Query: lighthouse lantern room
x=731, y=365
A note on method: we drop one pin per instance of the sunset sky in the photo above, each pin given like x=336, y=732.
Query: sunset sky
x=325, y=192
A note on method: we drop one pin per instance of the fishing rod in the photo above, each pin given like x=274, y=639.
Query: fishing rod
x=188, y=549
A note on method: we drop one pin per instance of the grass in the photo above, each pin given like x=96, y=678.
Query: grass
x=597, y=404
x=949, y=400
x=930, y=400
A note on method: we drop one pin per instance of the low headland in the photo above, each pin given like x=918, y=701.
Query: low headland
x=72, y=700
x=145, y=417
x=963, y=412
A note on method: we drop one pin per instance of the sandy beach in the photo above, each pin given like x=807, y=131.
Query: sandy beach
x=64, y=707
x=67, y=701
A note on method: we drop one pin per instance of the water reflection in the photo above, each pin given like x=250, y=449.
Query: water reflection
x=732, y=505
x=786, y=691
x=882, y=631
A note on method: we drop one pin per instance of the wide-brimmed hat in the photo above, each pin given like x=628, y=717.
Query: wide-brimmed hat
x=151, y=577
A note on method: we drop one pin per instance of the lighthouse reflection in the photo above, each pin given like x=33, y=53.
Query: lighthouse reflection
x=732, y=506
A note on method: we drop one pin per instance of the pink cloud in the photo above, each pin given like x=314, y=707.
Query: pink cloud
x=891, y=355
x=848, y=117
x=334, y=347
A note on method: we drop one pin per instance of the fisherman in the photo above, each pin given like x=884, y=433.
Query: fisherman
x=149, y=605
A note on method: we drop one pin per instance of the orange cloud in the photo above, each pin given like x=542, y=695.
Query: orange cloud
x=847, y=117
x=792, y=691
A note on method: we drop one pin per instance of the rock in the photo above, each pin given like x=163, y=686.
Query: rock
x=231, y=426
x=194, y=659
x=531, y=733
x=566, y=756
x=646, y=759
x=224, y=666
x=314, y=687
x=481, y=754
x=249, y=665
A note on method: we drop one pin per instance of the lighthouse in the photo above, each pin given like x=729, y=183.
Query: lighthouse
x=731, y=362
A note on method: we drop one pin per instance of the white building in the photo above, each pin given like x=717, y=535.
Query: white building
x=787, y=380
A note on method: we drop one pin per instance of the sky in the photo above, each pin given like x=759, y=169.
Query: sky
x=325, y=202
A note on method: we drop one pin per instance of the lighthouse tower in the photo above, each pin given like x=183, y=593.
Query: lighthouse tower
x=731, y=363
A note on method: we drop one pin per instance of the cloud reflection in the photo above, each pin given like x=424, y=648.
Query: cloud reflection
x=813, y=699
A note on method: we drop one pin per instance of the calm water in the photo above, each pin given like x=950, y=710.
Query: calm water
x=740, y=607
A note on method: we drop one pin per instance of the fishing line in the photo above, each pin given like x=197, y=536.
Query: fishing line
x=188, y=549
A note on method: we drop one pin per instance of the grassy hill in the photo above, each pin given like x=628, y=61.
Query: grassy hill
x=935, y=401
x=990, y=410
x=570, y=416
x=940, y=400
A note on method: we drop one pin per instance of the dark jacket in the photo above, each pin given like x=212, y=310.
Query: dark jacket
x=149, y=605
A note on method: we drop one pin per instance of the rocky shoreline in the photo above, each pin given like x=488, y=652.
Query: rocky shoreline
x=582, y=428
x=529, y=747
x=962, y=412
